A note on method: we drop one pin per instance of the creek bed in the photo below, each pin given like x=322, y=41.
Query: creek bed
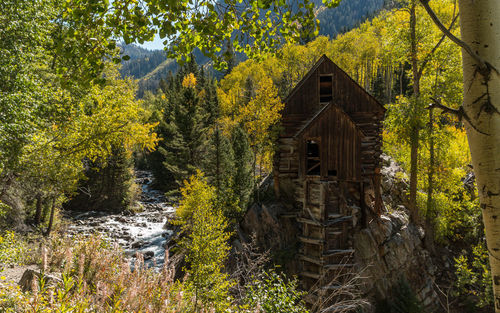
x=143, y=232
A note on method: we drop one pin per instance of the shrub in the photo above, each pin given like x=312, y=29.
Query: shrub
x=96, y=278
x=273, y=293
x=206, y=246
x=474, y=276
x=13, y=249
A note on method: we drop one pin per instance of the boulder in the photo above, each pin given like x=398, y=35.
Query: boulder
x=31, y=278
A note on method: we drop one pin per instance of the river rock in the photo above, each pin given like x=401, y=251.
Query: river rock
x=137, y=244
x=121, y=219
x=148, y=255
x=142, y=231
x=126, y=237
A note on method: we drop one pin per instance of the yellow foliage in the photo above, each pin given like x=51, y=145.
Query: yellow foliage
x=258, y=115
x=196, y=193
x=189, y=81
x=106, y=116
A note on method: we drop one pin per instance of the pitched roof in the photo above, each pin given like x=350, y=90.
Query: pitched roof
x=322, y=59
x=323, y=111
x=306, y=77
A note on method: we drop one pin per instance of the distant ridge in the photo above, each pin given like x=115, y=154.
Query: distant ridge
x=149, y=66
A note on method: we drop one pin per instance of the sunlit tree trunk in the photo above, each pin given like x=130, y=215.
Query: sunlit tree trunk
x=480, y=29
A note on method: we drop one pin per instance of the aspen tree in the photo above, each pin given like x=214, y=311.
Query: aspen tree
x=480, y=43
x=479, y=23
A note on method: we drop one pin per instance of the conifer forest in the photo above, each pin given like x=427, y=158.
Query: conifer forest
x=271, y=156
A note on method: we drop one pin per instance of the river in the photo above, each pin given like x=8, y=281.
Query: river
x=142, y=232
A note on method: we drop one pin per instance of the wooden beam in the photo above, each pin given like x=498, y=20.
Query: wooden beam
x=310, y=222
x=337, y=252
x=342, y=219
x=310, y=275
x=338, y=266
x=314, y=260
x=314, y=241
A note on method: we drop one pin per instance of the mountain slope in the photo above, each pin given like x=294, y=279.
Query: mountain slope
x=149, y=66
x=346, y=16
x=142, y=61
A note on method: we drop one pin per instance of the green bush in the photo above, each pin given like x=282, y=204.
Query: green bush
x=474, y=276
x=13, y=249
x=273, y=293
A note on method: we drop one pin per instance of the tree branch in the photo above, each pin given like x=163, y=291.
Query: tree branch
x=460, y=113
x=481, y=63
x=437, y=104
x=429, y=55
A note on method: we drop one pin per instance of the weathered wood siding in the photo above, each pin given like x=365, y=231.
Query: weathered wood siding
x=340, y=145
x=303, y=102
x=328, y=203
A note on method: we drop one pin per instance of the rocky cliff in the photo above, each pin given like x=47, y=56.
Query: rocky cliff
x=388, y=252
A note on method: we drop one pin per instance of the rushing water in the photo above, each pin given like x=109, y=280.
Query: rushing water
x=142, y=232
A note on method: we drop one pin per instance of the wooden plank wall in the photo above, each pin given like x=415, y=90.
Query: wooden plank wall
x=351, y=97
x=339, y=146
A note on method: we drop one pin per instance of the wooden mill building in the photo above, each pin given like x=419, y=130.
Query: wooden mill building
x=328, y=165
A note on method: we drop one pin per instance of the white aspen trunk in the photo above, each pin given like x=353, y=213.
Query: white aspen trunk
x=480, y=29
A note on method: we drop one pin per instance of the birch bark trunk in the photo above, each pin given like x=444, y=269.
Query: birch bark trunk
x=480, y=29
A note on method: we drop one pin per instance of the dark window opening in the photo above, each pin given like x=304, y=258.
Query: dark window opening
x=332, y=172
x=313, y=163
x=325, y=88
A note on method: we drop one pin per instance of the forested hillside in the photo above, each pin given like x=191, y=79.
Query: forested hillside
x=142, y=61
x=150, y=66
x=279, y=168
x=346, y=16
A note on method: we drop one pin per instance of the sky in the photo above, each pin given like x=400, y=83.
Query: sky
x=156, y=44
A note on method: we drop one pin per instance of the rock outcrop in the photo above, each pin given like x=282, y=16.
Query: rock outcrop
x=389, y=251
x=394, y=184
x=273, y=229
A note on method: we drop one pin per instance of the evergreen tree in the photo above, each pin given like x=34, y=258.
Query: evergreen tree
x=107, y=185
x=243, y=160
x=229, y=57
x=185, y=136
x=210, y=100
x=188, y=109
x=220, y=172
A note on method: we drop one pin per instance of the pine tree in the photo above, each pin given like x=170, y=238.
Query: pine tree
x=229, y=57
x=107, y=185
x=185, y=133
x=243, y=160
x=187, y=110
x=220, y=171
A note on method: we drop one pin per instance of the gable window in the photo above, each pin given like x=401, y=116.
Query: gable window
x=325, y=88
x=313, y=162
